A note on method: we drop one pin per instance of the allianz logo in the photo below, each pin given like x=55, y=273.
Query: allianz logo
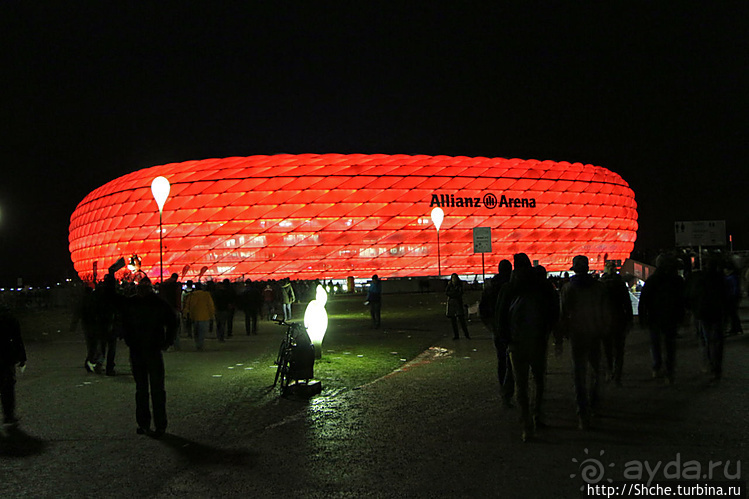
x=488, y=200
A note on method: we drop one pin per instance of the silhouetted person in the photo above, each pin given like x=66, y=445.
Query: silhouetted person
x=12, y=354
x=251, y=302
x=105, y=298
x=187, y=323
x=269, y=300
x=709, y=306
x=733, y=286
x=528, y=310
x=488, y=307
x=150, y=327
x=620, y=321
x=661, y=310
x=171, y=292
x=584, y=319
x=85, y=313
x=490, y=294
x=455, y=309
x=287, y=298
x=223, y=300
x=374, y=298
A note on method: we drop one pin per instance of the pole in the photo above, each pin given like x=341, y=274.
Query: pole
x=439, y=258
x=161, y=251
x=483, y=272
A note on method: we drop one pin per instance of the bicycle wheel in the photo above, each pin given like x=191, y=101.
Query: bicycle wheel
x=282, y=353
x=285, y=369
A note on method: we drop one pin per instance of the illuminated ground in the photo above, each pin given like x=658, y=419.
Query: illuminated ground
x=432, y=428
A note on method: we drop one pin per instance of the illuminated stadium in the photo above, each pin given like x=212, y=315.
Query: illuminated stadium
x=329, y=216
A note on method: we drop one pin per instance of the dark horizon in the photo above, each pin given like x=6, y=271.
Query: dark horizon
x=655, y=94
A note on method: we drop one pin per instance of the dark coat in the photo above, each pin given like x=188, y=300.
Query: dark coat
x=528, y=308
x=585, y=309
x=619, y=301
x=150, y=323
x=454, y=294
x=12, y=349
x=662, y=300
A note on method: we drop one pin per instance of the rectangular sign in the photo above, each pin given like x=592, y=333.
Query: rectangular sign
x=700, y=233
x=482, y=240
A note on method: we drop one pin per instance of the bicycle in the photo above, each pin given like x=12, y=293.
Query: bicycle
x=296, y=356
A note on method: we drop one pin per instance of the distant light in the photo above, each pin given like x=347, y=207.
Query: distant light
x=438, y=215
x=160, y=190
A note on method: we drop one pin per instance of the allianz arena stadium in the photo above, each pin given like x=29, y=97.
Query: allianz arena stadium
x=331, y=216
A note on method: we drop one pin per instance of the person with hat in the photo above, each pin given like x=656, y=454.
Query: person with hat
x=150, y=326
x=584, y=319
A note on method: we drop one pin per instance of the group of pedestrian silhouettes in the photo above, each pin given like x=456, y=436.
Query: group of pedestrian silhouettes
x=526, y=312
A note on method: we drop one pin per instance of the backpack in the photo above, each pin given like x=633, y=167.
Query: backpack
x=527, y=319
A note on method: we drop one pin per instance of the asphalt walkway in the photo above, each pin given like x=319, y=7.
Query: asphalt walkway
x=434, y=428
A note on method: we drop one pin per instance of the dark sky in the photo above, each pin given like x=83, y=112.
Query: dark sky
x=655, y=91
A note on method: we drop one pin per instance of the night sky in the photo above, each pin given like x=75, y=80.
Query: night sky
x=655, y=91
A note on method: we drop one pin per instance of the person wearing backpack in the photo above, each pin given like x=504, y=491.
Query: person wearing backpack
x=528, y=311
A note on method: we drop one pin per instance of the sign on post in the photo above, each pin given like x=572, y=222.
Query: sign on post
x=700, y=233
x=482, y=240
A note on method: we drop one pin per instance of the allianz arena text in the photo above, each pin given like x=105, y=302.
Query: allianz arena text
x=327, y=216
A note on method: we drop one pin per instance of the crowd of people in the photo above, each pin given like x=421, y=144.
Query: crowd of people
x=526, y=312
x=524, y=309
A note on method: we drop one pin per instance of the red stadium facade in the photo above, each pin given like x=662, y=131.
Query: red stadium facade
x=333, y=216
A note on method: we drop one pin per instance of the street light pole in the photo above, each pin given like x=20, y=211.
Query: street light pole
x=160, y=190
x=438, y=215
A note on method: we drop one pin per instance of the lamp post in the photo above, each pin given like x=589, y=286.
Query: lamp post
x=160, y=191
x=438, y=215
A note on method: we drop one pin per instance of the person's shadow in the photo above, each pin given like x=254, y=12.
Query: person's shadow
x=200, y=454
x=14, y=442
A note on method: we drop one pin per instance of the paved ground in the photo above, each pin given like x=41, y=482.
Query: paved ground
x=434, y=428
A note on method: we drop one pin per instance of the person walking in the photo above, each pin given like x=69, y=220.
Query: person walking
x=106, y=332
x=250, y=301
x=661, y=310
x=171, y=292
x=85, y=314
x=150, y=325
x=455, y=309
x=201, y=310
x=527, y=312
x=584, y=320
x=488, y=307
x=269, y=300
x=733, y=286
x=187, y=324
x=287, y=299
x=710, y=305
x=620, y=321
x=223, y=299
x=12, y=354
x=374, y=298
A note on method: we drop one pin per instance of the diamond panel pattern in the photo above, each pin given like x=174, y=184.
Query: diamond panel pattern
x=332, y=215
